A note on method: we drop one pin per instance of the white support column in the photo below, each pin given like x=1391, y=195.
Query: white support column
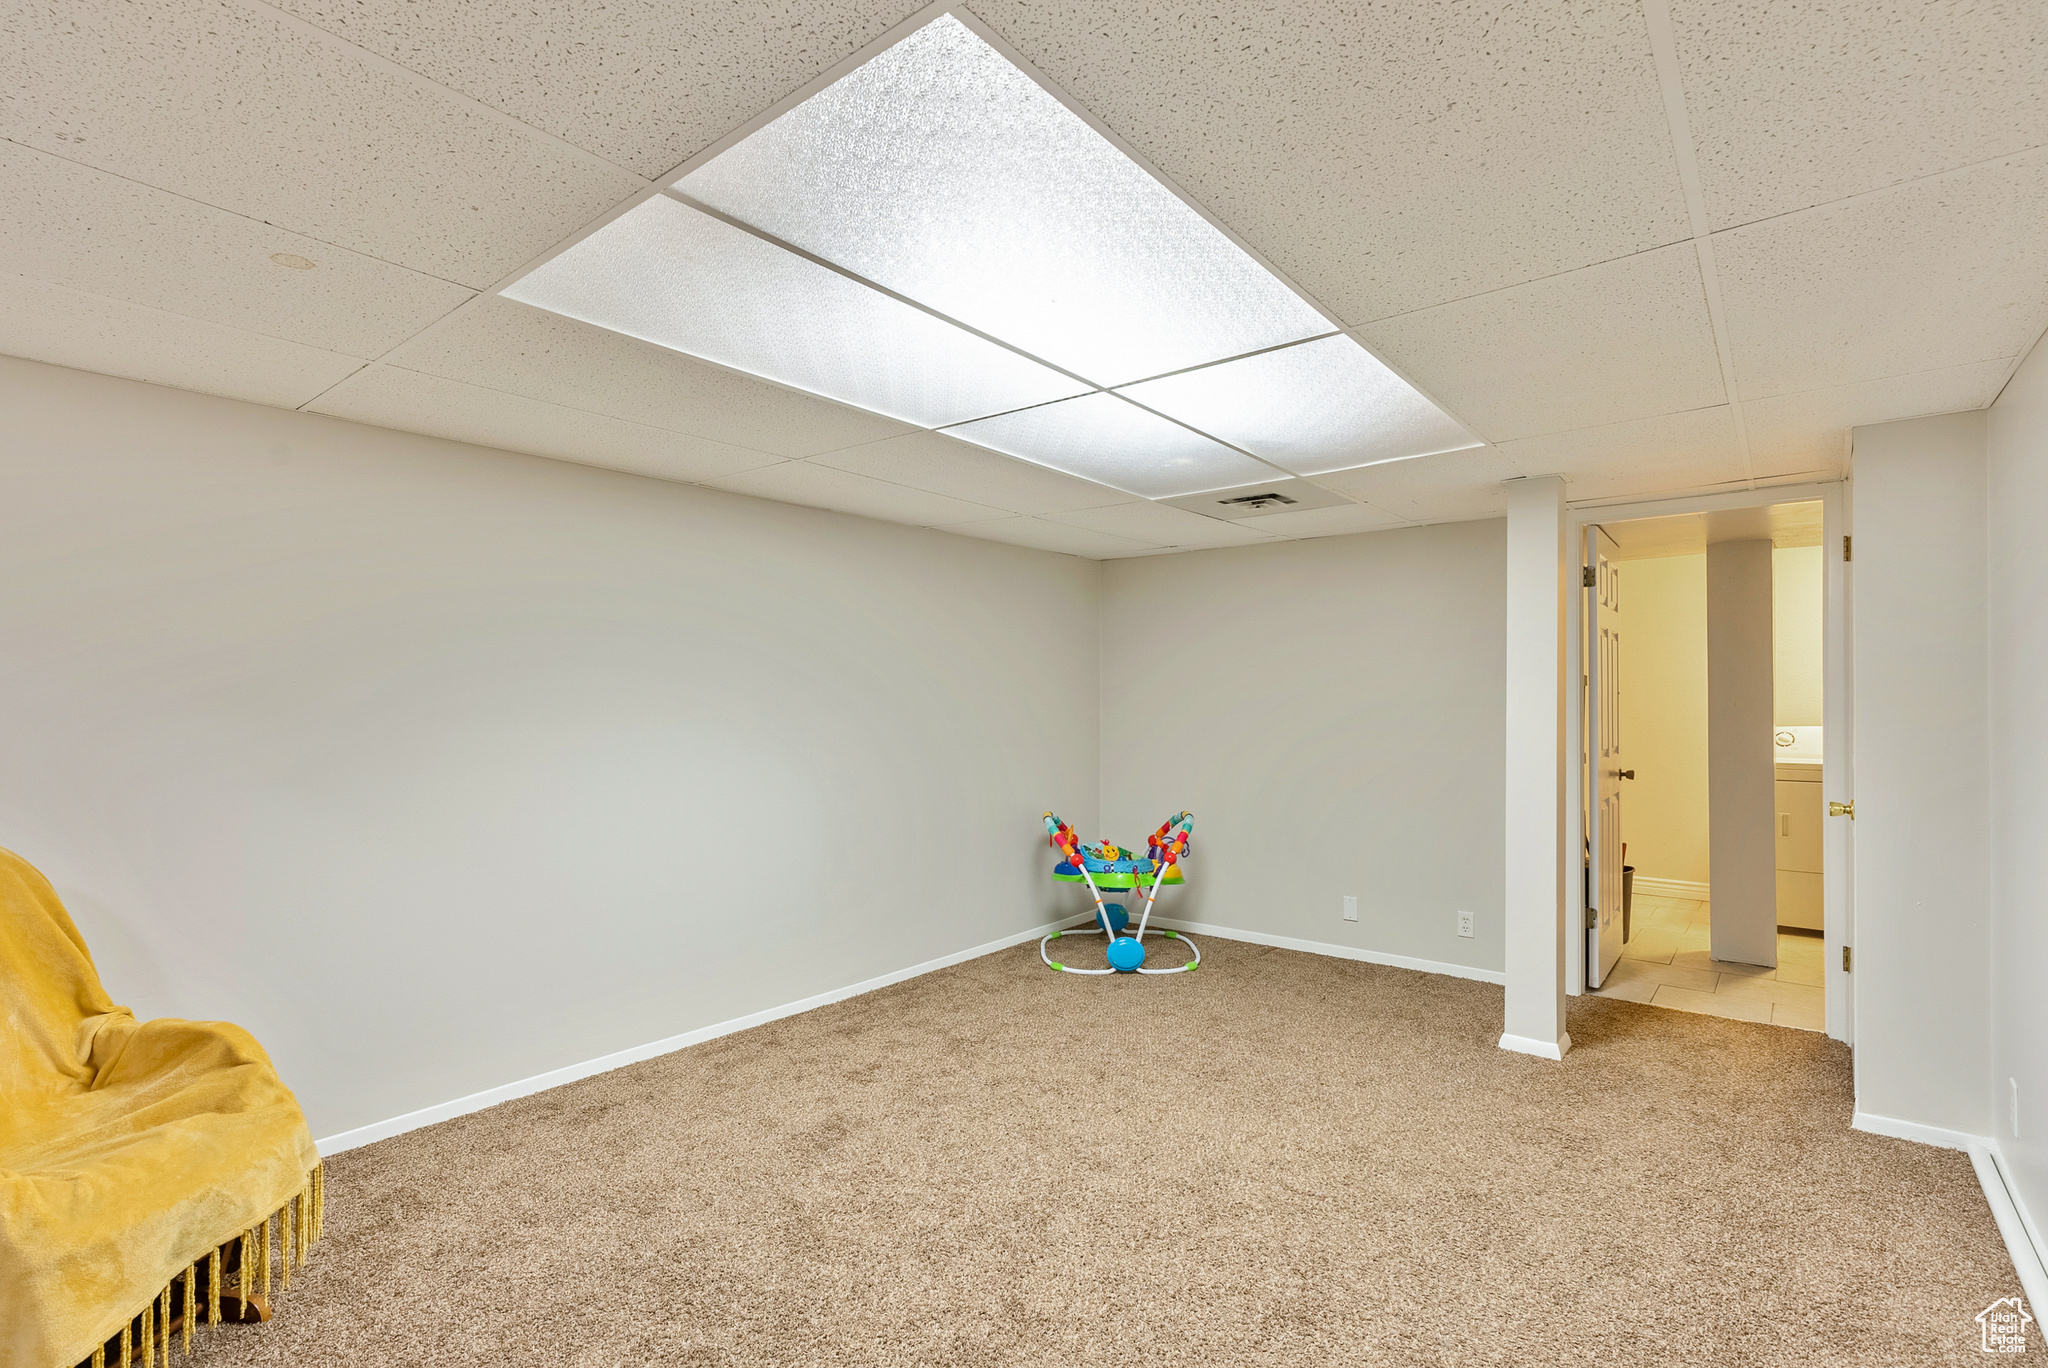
x=1742, y=859
x=1536, y=864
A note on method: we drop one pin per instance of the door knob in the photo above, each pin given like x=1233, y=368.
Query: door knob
x=1847, y=809
x=1624, y=774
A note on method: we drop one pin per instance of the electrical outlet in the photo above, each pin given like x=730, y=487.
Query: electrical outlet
x=1464, y=923
x=1350, y=908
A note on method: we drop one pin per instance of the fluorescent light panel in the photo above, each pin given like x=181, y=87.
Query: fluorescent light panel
x=1317, y=407
x=941, y=173
x=948, y=175
x=682, y=279
x=1111, y=441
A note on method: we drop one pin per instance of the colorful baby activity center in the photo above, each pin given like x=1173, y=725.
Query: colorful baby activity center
x=1109, y=867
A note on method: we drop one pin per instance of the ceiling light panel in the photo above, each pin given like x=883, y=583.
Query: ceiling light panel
x=1102, y=438
x=945, y=173
x=1320, y=406
x=684, y=280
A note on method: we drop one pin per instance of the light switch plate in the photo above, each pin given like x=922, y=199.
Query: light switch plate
x=1350, y=908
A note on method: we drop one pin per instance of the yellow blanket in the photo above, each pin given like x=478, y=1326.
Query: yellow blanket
x=138, y=1161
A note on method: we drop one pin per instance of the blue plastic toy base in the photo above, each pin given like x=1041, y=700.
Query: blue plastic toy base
x=1119, y=953
x=1118, y=918
x=1125, y=954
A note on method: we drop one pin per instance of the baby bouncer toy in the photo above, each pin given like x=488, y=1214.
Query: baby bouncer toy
x=1110, y=866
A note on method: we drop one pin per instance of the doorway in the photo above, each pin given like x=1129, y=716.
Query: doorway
x=1712, y=669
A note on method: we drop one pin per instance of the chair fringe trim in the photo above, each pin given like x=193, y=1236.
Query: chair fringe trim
x=299, y=1223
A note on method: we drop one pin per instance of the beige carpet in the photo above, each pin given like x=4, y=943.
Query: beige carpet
x=1279, y=1159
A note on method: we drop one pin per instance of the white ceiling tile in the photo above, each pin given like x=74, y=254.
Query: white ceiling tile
x=961, y=470
x=1796, y=105
x=411, y=402
x=1335, y=521
x=1933, y=275
x=87, y=332
x=1665, y=453
x=1050, y=536
x=1449, y=485
x=1318, y=406
x=801, y=482
x=679, y=278
x=1104, y=438
x=645, y=83
x=71, y=225
x=501, y=345
x=942, y=171
x=1160, y=525
x=228, y=105
x=1802, y=432
x=1624, y=339
x=1386, y=156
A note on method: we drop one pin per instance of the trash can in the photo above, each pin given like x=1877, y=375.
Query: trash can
x=1628, y=897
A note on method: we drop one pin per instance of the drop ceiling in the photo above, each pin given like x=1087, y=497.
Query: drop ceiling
x=1655, y=248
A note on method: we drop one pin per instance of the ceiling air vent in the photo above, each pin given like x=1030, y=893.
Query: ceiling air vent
x=1269, y=499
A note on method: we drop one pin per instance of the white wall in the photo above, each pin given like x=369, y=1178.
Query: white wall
x=1798, y=607
x=1664, y=716
x=1331, y=712
x=439, y=767
x=2017, y=485
x=1923, y=950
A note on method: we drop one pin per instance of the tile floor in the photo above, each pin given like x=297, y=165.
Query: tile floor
x=1668, y=962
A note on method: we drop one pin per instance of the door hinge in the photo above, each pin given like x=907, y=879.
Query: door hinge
x=1588, y=577
x=1845, y=549
x=1845, y=959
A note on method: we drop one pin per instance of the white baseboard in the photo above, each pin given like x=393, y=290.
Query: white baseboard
x=1681, y=889
x=1350, y=952
x=554, y=1078
x=2015, y=1226
x=2022, y=1237
x=1542, y=1049
x=2014, y=1222
x=1914, y=1131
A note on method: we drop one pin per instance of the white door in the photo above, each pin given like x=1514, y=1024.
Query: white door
x=1604, y=741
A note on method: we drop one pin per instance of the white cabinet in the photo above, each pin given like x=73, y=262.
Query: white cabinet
x=1800, y=815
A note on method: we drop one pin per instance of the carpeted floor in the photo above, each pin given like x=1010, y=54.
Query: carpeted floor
x=1279, y=1159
